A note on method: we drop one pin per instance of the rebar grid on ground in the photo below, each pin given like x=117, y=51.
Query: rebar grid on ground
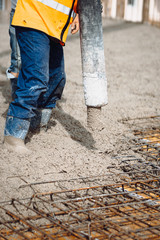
x=127, y=210
x=147, y=137
x=148, y=144
x=137, y=168
x=95, y=209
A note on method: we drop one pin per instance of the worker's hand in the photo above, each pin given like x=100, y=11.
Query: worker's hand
x=75, y=25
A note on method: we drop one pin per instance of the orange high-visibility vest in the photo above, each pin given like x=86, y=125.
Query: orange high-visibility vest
x=50, y=16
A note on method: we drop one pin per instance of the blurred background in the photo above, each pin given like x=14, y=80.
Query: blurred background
x=147, y=11
x=133, y=10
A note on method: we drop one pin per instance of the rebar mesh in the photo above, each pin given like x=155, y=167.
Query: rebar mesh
x=148, y=144
x=137, y=168
x=126, y=210
x=147, y=137
x=122, y=204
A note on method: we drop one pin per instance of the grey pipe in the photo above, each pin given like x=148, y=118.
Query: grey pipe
x=92, y=51
x=93, y=60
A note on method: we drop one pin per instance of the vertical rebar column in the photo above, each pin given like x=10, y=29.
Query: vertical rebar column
x=93, y=60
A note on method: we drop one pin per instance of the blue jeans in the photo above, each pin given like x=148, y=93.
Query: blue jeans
x=15, y=51
x=15, y=64
x=42, y=77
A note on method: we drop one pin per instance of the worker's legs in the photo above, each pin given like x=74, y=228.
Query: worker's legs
x=34, y=75
x=57, y=78
x=38, y=81
x=56, y=84
x=32, y=82
x=13, y=71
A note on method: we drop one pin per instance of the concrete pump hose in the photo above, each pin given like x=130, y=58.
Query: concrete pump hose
x=92, y=51
x=93, y=60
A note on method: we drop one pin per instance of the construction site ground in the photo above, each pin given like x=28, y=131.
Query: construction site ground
x=69, y=149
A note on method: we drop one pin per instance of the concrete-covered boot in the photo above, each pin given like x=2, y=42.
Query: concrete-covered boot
x=15, y=132
x=45, y=117
x=41, y=119
x=15, y=145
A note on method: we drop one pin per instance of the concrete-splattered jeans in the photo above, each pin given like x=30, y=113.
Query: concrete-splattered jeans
x=42, y=77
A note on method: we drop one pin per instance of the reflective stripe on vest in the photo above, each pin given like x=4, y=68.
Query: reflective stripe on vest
x=57, y=6
x=49, y=16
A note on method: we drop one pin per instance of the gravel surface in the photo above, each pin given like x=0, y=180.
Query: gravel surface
x=69, y=148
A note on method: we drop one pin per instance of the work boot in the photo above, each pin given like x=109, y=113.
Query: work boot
x=15, y=132
x=40, y=121
x=15, y=145
x=45, y=117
